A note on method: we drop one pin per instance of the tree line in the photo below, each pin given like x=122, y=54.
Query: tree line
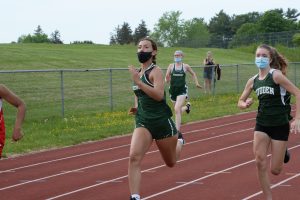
x=40, y=37
x=222, y=30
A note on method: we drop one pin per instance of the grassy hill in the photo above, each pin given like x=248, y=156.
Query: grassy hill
x=49, y=56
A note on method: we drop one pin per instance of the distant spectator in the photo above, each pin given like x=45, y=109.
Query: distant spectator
x=208, y=72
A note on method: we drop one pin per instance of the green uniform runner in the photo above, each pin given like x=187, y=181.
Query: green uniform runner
x=177, y=85
x=151, y=114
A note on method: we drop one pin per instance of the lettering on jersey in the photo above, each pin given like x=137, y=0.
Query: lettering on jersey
x=178, y=74
x=135, y=87
x=264, y=90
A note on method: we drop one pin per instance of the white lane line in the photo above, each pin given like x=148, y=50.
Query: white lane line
x=117, y=160
x=72, y=171
x=7, y=171
x=219, y=172
x=150, y=169
x=273, y=186
x=222, y=135
x=101, y=181
x=219, y=126
x=41, y=181
x=216, y=172
x=284, y=185
x=113, y=148
x=196, y=180
x=196, y=183
x=59, y=174
x=64, y=158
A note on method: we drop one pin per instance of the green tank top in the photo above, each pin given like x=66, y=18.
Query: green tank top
x=148, y=108
x=177, y=79
x=272, y=106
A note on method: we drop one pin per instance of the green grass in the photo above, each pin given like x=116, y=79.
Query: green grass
x=87, y=101
x=49, y=56
x=57, y=132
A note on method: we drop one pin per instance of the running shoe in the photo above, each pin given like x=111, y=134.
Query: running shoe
x=188, y=105
x=180, y=138
x=134, y=198
x=287, y=156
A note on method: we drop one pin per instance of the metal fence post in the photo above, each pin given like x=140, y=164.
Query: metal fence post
x=237, y=78
x=110, y=90
x=295, y=74
x=62, y=93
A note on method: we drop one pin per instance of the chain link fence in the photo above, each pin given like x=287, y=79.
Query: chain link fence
x=222, y=41
x=67, y=92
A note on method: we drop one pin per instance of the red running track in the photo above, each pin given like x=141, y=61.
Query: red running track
x=216, y=163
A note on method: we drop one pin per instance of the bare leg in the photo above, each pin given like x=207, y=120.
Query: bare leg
x=278, y=151
x=140, y=143
x=260, y=148
x=207, y=85
x=178, y=110
x=170, y=149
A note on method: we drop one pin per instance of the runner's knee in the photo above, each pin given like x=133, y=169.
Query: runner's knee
x=276, y=171
x=261, y=162
x=170, y=163
x=135, y=159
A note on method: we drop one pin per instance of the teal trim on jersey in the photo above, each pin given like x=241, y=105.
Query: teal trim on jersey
x=148, y=108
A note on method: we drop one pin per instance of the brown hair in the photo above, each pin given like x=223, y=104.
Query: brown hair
x=278, y=61
x=154, y=46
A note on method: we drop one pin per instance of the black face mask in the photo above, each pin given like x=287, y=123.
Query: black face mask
x=144, y=56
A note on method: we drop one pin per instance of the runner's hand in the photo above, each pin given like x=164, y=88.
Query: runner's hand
x=17, y=134
x=295, y=126
x=198, y=86
x=132, y=111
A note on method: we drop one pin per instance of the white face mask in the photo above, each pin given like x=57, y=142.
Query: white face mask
x=177, y=59
x=262, y=62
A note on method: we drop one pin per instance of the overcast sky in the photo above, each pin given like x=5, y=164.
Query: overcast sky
x=95, y=20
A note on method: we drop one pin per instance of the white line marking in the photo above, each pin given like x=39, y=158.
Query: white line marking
x=219, y=172
x=72, y=171
x=65, y=158
x=290, y=174
x=7, y=171
x=284, y=185
x=196, y=180
x=216, y=172
x=150, y=169
x=59, y=174
x=117, y=160
x=196, y=183
x=99, y=181
x=218, y=126
x=117, y=147
x=273, y=186
x=41, y=181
